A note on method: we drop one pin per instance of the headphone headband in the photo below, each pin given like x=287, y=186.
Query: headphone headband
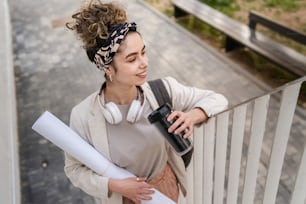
x=112, y=113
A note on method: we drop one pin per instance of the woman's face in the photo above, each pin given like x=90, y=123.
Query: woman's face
x=130, y=62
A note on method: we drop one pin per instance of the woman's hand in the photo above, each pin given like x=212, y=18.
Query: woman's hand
x=135, y=189
x=186, y=121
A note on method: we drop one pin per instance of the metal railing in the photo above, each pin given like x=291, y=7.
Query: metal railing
x=239, y=154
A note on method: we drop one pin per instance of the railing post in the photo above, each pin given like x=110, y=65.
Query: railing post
x=287, y=108
x=220, y=158
x=198, y=158
x=208, y=168
x=257, y=133
x=239, y=119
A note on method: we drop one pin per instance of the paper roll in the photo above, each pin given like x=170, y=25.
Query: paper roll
x=69, y=141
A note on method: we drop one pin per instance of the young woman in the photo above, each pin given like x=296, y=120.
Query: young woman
x=114, y=119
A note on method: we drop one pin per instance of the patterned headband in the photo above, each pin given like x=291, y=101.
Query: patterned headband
x=104, y=56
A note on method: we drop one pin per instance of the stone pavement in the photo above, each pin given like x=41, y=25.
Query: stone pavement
x=53, y=73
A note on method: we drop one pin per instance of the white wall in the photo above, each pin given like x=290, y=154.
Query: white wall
x=9, y=161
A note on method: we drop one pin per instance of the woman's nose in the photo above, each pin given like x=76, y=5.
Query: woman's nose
x=144, y=62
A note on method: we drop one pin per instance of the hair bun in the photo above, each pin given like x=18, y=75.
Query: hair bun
x=94, y=22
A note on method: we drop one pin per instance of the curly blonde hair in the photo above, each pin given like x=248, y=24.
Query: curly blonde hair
x=94, y=22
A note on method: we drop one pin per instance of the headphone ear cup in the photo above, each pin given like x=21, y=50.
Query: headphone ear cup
x=107, y=115
x=134, y=111
x=112, y=113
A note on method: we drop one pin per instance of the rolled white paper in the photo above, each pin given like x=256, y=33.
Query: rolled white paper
x=69, y=141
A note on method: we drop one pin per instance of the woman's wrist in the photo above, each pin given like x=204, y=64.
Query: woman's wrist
x=198, y=115
x=113, y=186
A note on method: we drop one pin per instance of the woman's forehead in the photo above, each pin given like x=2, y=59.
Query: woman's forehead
x=133, y=42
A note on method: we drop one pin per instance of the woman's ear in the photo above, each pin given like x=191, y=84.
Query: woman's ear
x=110, y=69
x=107, y=70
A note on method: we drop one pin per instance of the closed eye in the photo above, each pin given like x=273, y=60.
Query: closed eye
x=132, y=56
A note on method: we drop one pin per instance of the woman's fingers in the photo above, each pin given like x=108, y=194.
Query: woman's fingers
x=143, y=197
x=177, y=119
x=144, y=190
x=141, y=179
x=133, y=188
x=182, y=124
x=147, y=191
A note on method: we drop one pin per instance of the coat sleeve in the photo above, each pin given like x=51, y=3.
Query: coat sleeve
x=80, y=175
x=185, y=98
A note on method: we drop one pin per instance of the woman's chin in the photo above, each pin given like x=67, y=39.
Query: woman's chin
x=141, y=80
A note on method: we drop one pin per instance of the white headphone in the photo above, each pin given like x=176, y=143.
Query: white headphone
x=112, y=113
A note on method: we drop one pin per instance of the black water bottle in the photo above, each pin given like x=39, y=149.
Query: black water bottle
x=159, y=117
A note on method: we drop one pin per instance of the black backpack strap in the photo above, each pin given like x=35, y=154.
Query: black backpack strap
x=162, y=96
x=187, y=157
x=160, y=92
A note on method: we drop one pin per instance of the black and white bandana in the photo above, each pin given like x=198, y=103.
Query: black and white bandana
x=104, y=56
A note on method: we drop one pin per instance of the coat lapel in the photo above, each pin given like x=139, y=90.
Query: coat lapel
x=149, y=95
x=97, y=129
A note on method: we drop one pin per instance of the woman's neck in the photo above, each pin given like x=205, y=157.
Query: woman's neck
x=120, y=95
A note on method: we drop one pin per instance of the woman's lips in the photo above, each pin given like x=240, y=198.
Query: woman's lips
x=142, y=75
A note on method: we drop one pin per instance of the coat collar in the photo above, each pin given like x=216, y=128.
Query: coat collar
x=147, y=91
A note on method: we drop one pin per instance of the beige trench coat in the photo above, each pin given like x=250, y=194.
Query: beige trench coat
x=88, y=121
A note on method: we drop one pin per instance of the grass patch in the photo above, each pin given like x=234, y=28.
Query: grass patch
x=286, y=5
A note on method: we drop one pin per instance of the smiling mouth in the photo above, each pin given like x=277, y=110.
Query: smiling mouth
x=142, y=74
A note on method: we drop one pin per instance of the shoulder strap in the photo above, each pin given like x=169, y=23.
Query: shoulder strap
x=162, y=96
x=160, y=92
